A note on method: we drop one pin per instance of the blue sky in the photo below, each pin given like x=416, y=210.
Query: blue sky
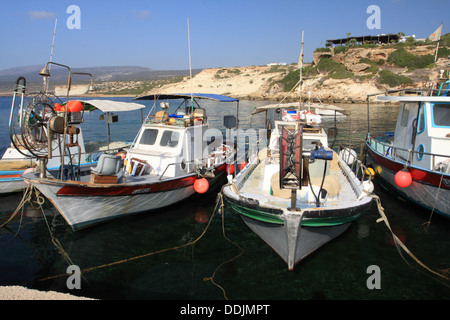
x=224, y=33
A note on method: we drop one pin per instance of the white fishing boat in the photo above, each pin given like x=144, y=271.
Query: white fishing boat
x=28, y=143
x=169, y=161
x=297, y=193
x=414, y=160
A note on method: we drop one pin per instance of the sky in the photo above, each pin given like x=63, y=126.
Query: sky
x=223, y=33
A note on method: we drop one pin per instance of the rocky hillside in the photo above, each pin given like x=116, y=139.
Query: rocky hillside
x=341, y=74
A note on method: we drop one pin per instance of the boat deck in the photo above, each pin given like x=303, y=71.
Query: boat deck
x=260, y=185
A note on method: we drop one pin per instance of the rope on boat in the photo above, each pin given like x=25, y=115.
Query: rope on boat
x=217, y=208
x=428, y=223
x=398, y=243
x=27, y=194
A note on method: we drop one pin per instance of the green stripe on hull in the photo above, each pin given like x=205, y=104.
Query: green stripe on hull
x=307, y=222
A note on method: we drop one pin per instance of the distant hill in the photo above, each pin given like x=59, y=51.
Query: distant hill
x=100, y=74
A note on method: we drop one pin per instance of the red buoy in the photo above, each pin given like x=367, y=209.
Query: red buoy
x=403, y=178
x=57, y=107
x=230, y=168
x=201, y=185
x=242, y=165
x=417, y=174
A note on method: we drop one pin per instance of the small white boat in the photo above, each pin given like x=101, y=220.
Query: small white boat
x=414, y=160
x=296, y=193
x=169, y=161
x=18, y=159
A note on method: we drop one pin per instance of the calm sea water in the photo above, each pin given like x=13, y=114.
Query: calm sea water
x=337, y=271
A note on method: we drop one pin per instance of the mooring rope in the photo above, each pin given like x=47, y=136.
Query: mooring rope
x=398, y=243
x=220, y=198
x=428, y=223
x=27, y=194
x=218, y=208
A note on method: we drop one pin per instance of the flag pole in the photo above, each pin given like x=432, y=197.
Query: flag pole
x=439, y=40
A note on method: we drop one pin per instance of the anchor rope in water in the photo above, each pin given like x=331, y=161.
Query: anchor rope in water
x=217, y=208
x=27, y=194
x=398, y=243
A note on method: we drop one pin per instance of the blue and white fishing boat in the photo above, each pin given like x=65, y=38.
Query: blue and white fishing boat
x=414, y=160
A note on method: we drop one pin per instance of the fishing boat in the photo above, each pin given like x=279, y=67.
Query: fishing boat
x=168, y=161
x=28, y=143
x=296, y=193
x=414, y=160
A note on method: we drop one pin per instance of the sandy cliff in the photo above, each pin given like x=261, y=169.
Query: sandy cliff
x=265, y=82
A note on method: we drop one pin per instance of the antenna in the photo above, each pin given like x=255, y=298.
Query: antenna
x=301, y=64
x=46, y=79
x=190, y=67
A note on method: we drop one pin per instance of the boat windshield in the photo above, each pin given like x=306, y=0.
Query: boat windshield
x=170, y=139
x=149, y=136
x=441, y=115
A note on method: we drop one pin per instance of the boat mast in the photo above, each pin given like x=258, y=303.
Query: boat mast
x=300, y=63
x=46, y=79
x=190, y=66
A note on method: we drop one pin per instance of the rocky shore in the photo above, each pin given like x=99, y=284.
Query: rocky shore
x=21, y=293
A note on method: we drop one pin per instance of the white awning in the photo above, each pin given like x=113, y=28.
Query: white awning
x=114, y=106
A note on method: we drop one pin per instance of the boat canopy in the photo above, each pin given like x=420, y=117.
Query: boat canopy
x=415, y=98
x=169, y=96
x=113, y=106
x=328, y=107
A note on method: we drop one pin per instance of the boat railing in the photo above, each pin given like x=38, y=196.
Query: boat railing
x=391, y=151
x=356, y=166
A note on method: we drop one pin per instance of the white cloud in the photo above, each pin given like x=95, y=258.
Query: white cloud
x=141, y=14
x=40, y=15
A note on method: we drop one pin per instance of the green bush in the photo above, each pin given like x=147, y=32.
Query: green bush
x=335, y=69
x=373, y=65
x=323, y=50
x=403, y=58
x=340, y=49
x=392, y=79
x=290, y=80
x=443, y=52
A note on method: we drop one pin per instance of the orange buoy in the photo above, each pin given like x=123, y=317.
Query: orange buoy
x=230, y=168
x=201, y=185
x=403, y=178
x=74, y=106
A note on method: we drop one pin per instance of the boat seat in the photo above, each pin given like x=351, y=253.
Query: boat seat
x=200, y=113
x=108, y=165
x=161, y=116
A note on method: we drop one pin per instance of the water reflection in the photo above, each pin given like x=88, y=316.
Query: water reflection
x=337, y=271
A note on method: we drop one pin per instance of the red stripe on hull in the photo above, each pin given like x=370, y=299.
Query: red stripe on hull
x=418, y=175
x=124, y=190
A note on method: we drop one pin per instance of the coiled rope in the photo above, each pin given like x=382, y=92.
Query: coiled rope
x=398, y=243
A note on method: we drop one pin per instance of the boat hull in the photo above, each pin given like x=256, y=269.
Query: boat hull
x=83, y=205
x=307, y=239
x=294, y=235
x=428, y=189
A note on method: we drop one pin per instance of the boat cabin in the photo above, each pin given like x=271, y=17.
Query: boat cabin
x=172, y=144
x=422, y=131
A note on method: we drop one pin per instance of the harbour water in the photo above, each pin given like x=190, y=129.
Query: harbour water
x=127, y=258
